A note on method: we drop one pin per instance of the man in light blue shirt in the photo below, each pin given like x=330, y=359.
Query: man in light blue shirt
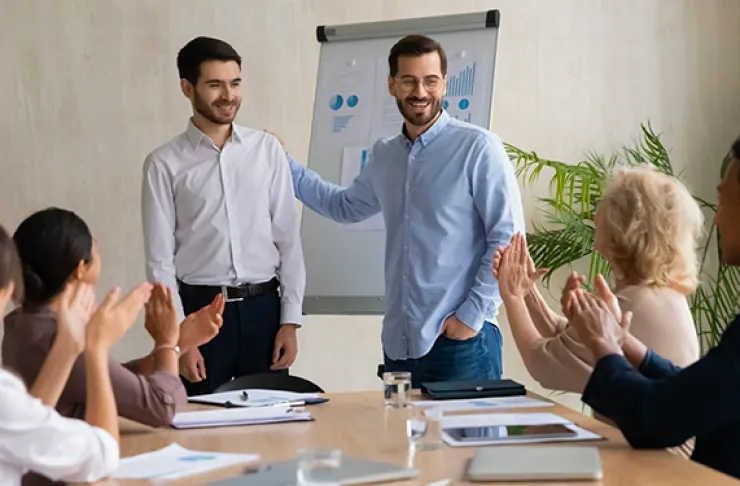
x=449, y=197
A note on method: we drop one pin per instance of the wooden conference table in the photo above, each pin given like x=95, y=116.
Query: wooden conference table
x=360, y=425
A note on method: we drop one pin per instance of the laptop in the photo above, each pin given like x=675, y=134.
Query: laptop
x=352, y=471
x=535, y=463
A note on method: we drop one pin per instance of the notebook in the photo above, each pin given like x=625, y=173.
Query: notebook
x=352, y=471
x=535, y=463
x=224, y=417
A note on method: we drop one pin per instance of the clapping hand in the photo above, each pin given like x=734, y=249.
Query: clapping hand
x=596, y=324
x=161, y=316
x=200, y=327
x=75, y=308
x=514, y=268
x=113, y=318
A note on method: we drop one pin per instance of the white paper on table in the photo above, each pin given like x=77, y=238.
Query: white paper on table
x=483, y=403
x=174, y=461
x=485, y=420
x=345, y=100
x=354, y=160
x=223, y=417
x=255, y=398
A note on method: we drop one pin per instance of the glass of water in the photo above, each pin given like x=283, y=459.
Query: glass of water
x=397, y=388
x=318, y=467
x=424, y=428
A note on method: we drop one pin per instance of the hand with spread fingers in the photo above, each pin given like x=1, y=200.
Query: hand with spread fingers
x=596, y=325
x=515, y=269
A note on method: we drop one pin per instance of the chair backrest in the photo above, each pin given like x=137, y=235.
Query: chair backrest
x=271, y=381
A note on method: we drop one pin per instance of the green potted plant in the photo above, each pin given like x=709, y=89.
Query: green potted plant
x=568, y=233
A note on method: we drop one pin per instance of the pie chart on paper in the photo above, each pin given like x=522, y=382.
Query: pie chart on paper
x=336, y=102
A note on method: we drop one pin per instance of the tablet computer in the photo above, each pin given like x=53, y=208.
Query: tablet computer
x=508, y=432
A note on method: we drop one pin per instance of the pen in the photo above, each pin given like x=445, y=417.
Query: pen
x=244, y=396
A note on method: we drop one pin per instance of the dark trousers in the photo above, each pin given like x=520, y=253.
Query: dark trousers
x=452, y=360
x=245, y=343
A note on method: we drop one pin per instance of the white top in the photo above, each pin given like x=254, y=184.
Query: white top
x=34, y=437
x=223, y=217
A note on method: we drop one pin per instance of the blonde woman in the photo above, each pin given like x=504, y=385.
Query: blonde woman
x=646, y=227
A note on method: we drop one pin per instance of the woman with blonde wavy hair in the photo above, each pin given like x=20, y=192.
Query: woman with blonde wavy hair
x=646, y=227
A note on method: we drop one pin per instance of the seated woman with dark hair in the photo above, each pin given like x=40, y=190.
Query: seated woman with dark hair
x=33, y=436
x=56, y=251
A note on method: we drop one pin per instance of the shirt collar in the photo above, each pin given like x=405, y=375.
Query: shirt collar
x=195, y=135
x=437, y=128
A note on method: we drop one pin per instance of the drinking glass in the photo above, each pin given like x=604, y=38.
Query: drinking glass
x=424, y=428
x=397, y=388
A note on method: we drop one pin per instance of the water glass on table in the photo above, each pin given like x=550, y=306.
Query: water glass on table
x=397, y=389
x=424, y=428
x=318, y=467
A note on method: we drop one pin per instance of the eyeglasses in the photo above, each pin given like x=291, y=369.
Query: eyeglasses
x=431, y=83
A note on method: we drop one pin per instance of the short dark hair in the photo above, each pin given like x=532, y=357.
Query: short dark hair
x=10, y=266
x=736, y=149
x=51, y=243
x=415, y=46
x=200, y=50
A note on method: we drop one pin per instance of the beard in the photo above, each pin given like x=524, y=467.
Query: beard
x=213, y=112
x=410, y=114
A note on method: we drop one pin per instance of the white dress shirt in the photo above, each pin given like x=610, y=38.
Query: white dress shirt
x=223, y=217
x=34, y=437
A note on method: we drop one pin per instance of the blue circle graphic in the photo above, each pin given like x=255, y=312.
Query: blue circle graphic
x=352, y=101
x=445, y=104
x=336, y=102
x=463, y=104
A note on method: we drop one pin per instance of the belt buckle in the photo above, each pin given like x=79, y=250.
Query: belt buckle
x=225, y=293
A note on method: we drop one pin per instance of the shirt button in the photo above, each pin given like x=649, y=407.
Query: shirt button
x=168, y=399
x=405, y=247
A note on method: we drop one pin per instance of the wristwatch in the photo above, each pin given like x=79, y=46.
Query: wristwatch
x=174, y=348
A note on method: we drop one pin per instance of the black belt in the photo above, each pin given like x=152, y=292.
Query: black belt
x=231, y=293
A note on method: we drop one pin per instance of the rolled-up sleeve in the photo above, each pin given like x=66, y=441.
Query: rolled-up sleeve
x=34, y=437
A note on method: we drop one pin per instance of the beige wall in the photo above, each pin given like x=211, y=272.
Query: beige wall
x=89, y=87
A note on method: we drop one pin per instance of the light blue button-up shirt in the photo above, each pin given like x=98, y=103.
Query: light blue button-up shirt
x=448, y=200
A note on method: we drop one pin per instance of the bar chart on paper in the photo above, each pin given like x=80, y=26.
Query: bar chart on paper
x=462, y=84
x=460, y=97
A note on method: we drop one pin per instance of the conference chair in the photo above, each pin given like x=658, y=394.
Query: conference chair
x=271, y=381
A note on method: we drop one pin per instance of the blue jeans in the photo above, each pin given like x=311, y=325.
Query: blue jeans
x=452, y=360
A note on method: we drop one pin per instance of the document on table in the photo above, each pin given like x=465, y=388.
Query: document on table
x=254, y=398
x=494, y=419
x=483, y=403
x=174, y=461
x=224, y=417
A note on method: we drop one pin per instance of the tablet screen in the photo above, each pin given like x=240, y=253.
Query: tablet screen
x=504, y=432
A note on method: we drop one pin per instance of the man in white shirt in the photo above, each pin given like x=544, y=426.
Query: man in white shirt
x=219, y=217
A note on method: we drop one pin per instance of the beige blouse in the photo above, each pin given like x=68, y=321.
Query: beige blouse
x=661, y=318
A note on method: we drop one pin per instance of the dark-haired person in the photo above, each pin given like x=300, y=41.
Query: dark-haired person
x=57, y=250
x=33, y=436
x=219, y=218
x=449, y=196
x=653, y=402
